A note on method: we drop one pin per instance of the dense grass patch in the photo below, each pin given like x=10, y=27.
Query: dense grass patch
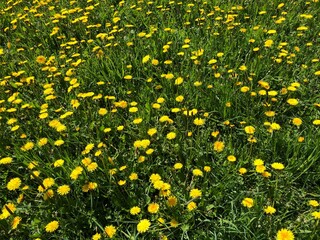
x=159, y=119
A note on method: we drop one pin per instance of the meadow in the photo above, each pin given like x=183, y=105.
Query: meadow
x=159, y=119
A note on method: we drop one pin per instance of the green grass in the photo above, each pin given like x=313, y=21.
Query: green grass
x=232, y=79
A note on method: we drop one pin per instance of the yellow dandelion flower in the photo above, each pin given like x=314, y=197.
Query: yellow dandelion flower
x=97, y=236
x=269, y=210
x=277, y=166
x=59, y=142
x=92, y=167
x=242, y=171
x=194, y=193
x=135, y=210
x=174, y=223
x=58, y=163
x=207, y=168
x=172, y=201
x=197, y=172
x=316, y=215
x=218, y=146
x=243, y=68
x=249, y=129
x=179, y=98
x=153, y=208
x=110, y=231
x=285, y=234
x=171, y=135
x=296, y=121
x=260, y=168
x=5, y=160
x=158, y=184
x=314, y=203
x=178, y=81
x=48, y=194
x=14, y=184
x=102, y=111
x=316, y=122
x=248, y=202
x=27, y=146
x=133, y=176
x=122, y=182
x=146, y=58
x=41, y=59
x=42, y=142
x=155, y=62
x=15, y=222
x=48, y=182
x=152, y=131
x=231, y=158
x=143, y=225
x=258, y=162
x=191, y=206
x=268, y=43
x=199, y=121
x=52, y=226
x=63, y=190
x=292, y=101
x=178, y=166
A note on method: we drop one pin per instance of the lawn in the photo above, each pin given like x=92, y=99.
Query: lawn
x=159, y=119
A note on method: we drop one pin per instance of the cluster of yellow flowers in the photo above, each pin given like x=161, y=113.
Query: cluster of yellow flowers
x=151, y=110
